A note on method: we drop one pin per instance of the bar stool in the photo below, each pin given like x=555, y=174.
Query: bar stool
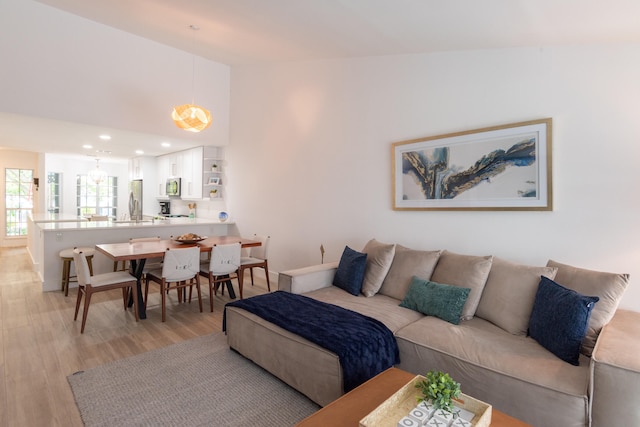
x=67, y=258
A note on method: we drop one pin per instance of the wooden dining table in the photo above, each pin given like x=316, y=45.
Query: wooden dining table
x=137, y=254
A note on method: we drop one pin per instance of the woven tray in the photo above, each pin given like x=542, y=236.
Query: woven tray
x=404, y=400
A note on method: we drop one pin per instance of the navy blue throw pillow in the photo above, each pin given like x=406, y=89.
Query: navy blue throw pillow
x=350, y=272
x=559, y=319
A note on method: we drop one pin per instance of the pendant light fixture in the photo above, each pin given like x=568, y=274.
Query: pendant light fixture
x=191, y=117
x=97, y=175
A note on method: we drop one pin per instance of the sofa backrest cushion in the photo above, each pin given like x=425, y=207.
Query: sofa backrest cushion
x=350, y=272
x=608, y=286
x=507, y=298
x=379, y=258
x=465, y=271
x=436, y=299
x=560, y=318
x=406, y=264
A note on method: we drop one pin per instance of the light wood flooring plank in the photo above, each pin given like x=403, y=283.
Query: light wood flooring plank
x=41, y=344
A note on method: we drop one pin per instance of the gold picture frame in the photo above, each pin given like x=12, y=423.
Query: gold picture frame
x=505, y=167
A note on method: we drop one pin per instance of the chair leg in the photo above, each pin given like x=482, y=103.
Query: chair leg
x=251, y=273
x=87, y=301
x=200, y=293
x=134, y=291
x=125, y=294
x=66, y=276
x=80, y=292
x=211, y=290
x=266, y=273
x=163, y=294
x=240, y=280
x=146, y=291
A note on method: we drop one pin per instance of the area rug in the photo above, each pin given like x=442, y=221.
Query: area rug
x=195, y=382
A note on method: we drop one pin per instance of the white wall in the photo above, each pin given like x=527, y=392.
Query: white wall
x=60, y=66
x=311, y=153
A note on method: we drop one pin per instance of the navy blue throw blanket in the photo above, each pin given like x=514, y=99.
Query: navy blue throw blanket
x=364, y=345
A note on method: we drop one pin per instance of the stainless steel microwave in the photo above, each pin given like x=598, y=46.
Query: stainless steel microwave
x=173, y=186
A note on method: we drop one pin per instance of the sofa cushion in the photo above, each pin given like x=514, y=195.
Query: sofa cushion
x=559, y=319
x=436, y=299
x=406, y=264
x=513, y=372
x=381, y=307
x=608, y=286
x=507, y=298
x=350, y=272
x=466, y=271
x=379, y=258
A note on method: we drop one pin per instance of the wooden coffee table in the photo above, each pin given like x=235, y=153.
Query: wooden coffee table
x=348, y=410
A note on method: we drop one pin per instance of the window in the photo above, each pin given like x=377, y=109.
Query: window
x=97, y=199
x=18, y=193
x=53, y=192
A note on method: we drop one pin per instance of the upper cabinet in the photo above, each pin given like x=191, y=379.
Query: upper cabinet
x=200, y=170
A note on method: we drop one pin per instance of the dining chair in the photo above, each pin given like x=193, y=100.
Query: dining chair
x=179, y=268
x=88, y=285
x=257, y=259
x=224, y=263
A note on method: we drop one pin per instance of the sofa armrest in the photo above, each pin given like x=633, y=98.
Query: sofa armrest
x=307, y=279
x=615, y=366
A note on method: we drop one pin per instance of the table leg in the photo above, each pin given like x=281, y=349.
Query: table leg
x=136, y=270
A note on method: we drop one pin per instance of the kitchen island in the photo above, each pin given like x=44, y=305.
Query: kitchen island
x=48, y=237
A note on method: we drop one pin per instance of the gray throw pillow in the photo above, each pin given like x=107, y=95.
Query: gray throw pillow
x=465, y=271
x=406, y=264
x=508, y=296
x=379, y=258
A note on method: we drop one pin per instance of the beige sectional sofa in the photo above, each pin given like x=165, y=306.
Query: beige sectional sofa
x=488, y=351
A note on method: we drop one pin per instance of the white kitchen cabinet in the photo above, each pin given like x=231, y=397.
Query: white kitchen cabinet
x=192, y=174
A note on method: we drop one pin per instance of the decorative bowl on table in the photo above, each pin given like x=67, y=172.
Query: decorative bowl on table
x=223, y=216
x=189, y=238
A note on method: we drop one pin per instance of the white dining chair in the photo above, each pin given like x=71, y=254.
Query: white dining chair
x=221, y=268
x=257, y=259
x=88, y=285
x=179, y=268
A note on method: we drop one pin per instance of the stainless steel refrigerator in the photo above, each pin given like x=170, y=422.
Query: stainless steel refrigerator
x=135, y=200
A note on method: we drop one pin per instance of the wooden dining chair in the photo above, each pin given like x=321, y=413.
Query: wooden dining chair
x=257, y=259
x=221, y=268
x=88, y=285
x=179, y=268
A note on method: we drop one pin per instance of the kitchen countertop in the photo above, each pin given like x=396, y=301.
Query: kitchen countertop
x=97, y=225
x=39, y=218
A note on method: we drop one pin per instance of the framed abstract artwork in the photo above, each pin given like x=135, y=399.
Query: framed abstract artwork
x=504, y=167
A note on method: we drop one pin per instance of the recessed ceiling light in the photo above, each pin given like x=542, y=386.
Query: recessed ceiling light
x=105, y=137
x=166, y=144
x=139, y=152
x=87, y=146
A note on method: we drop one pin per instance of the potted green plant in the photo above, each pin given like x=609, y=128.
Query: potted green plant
x=440, y=389
x=213, y=193
x=214, y=167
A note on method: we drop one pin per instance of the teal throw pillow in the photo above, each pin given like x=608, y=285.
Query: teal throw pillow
x=436, y=299
x=350, y=273
x=560, y=318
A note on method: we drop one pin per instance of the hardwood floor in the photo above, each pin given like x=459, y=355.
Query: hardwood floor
x=41, y=344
